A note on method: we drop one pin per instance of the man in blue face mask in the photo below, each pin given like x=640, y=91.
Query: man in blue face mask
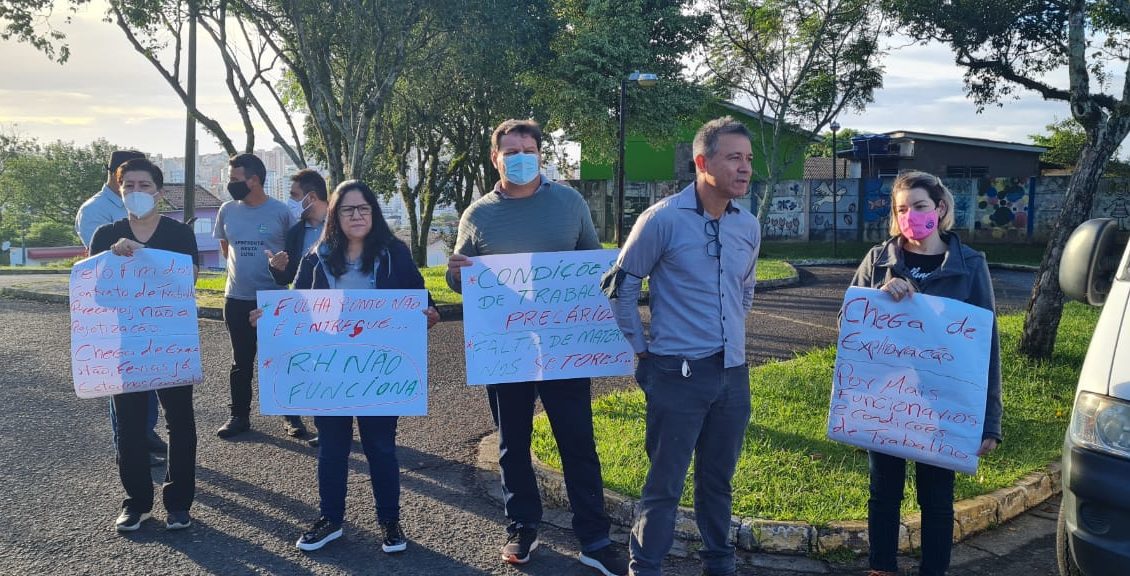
x=528, y=213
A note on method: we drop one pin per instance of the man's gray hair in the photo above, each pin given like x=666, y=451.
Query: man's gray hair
x=706, y=140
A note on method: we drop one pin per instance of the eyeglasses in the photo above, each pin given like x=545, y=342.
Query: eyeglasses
x=713, y=244
x=362, y=210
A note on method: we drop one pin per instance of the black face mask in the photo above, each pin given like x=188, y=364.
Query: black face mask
x=238, y=190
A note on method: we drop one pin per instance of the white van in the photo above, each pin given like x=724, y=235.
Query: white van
x=1093, y=535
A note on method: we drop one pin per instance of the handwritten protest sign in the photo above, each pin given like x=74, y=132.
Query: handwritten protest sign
x=133, y=323
x=343, y=352
x=541, y=317
x=911, y=377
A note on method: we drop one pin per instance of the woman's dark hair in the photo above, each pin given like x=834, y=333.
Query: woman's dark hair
x=333, y=237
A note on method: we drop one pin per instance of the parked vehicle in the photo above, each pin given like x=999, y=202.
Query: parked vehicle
x=1093, y=533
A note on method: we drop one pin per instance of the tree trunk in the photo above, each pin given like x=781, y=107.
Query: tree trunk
x=1045, y=306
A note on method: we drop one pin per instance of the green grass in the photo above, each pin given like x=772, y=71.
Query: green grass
x=789, y=470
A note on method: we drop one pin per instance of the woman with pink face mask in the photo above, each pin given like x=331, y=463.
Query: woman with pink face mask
x=923, y=256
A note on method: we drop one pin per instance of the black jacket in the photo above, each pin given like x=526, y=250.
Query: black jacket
x=293, y=247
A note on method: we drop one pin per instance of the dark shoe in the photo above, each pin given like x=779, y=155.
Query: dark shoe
x=130, y=521
x=393, y=540
x=606, y=560
x=155, y=443
x=234, y=426
x=321, y=533
x=178, y=520
x=519, y=545
x=294, y=426
x=313, y=442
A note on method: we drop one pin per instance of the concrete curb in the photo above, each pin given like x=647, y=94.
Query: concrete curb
x=755, y=535
x=18, y=272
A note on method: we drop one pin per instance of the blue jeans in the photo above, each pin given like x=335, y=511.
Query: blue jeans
x=568, y=403
x=378, y=440
x=150, y=417
x=935, y=498
x=703, y=414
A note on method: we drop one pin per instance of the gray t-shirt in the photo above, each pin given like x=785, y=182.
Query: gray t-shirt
x=249, y=230
x=555, y=219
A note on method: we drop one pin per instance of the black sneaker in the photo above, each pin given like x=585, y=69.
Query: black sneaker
x=519, y=545
x=321, y=533
x=393, y=540
x=294, y=426
x=234, y=426
x=129, y=521
x=606, y=561
x=178, y=520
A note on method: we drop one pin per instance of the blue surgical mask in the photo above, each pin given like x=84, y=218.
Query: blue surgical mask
x=521, y=168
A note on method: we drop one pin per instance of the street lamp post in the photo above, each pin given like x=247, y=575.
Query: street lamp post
x=644, y=79
x=835, y=208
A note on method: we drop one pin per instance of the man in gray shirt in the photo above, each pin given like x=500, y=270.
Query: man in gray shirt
x=526, y=213
x=248, y=226
x=106, y=207
x=699, y=248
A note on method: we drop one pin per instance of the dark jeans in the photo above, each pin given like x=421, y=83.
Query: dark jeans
x=704, y=414
x=150, y=422
x=133, y=462
x=378, y=440
x=935, y=498
x=244, y=343
x=568, y=403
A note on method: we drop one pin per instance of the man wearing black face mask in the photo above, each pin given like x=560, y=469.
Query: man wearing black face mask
x=248, y=226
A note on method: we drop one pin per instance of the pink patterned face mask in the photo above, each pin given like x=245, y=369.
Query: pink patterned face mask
x=917, y=225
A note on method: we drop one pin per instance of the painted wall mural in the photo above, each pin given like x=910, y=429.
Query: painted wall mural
x=964, y=199
x=787, y=212
x=822, y=211
x=876, y=209
x=1002, y=209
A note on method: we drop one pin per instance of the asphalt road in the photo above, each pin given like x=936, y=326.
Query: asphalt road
x=255, y=496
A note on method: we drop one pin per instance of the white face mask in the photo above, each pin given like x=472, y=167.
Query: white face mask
x=139, y=204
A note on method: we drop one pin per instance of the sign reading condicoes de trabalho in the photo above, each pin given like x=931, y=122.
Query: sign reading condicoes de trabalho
x=541, y=316
x=911, y=376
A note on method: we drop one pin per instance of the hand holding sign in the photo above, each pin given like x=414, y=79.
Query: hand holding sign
x=911, y=378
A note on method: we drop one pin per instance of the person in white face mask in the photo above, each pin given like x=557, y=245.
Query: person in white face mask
x=144, y=228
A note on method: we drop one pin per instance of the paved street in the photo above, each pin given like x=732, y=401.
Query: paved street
x=256, y=495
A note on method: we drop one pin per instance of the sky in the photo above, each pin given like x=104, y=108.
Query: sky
x=107, y=90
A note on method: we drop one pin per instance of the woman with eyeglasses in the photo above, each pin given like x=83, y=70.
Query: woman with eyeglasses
x=923, y=256
x=357, y=250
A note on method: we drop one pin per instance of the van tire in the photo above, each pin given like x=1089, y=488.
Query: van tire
x=1063, y=558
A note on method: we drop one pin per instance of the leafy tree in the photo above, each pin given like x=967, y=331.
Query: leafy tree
x=51, y=234
x=800, y=62
x=823, y=149
x=596, y=44
x=1011, y=45
x=49, y=184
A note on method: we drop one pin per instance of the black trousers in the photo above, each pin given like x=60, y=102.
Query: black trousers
x=244, y=344
x=133, y=462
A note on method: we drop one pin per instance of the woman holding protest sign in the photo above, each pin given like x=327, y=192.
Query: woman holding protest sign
x=357, y=250
x=923, y=256
x=141, y=184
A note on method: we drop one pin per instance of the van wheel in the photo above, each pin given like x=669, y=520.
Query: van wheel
x=1063, y=557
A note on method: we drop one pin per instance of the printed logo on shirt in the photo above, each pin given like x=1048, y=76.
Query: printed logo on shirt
x=263, y=229
x=918, y=274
